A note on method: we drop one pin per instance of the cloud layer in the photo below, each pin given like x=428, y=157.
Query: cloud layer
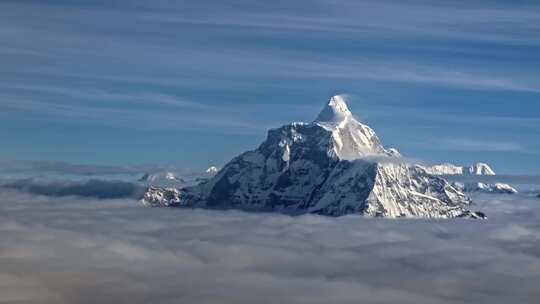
x=66, y=250
x=101, y=189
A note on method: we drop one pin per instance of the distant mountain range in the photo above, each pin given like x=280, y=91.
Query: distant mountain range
x=450, y=169
x=472, y=186
x=171, y=179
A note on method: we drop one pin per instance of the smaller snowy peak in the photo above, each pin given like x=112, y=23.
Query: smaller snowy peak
x=212, y=171
x=468, y=173
x=351, y=139
x=445, y=169
x=498, y=188
x=394, y=152
x=504, y=188
x=335, y=111
x=161, y=197
x=170, y=176
x=481, y=169
x=162, y=179
x=450, y=169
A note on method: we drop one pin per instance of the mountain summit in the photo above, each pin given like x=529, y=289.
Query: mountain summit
x=336, y=111
x=324, y=167
x=351, y=139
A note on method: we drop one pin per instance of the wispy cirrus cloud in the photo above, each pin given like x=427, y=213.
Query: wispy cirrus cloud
x=101, y=95
x=381, y=19
x=196, y=61
x=413, y=73
x=239, y=68
x=225, y=121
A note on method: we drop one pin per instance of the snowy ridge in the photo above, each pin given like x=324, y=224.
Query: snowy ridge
x=161, y=197
x=476, y=169
x=175, y=179
x=335, y=112
x=324, y=167
x=496, y=188
x=165, y=179
x=445, y=169
x=450, y=169
x=211, y=171
x=481, y=169
x=351, y=139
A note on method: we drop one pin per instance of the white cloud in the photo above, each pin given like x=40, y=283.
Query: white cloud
x=66, y=250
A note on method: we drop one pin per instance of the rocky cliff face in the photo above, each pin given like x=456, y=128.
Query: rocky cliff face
x=332, y=166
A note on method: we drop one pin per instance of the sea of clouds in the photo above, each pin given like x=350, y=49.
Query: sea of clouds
x=72, y=249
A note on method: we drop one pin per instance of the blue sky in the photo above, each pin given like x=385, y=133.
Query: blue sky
x=193, y=83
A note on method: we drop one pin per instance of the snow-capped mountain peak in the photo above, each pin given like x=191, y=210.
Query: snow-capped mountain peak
x=351, y=138
x=170, y=176
x=321, y=167
x=481, y=169
x=335, y=111
x=166, y=178
x=212, y=171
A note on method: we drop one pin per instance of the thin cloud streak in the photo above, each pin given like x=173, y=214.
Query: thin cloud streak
x=384, y=19
x=295, y=65
x=375, y=110
x=142, y=118
x=60, y=167
x=102, y=95
x=408, y=73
